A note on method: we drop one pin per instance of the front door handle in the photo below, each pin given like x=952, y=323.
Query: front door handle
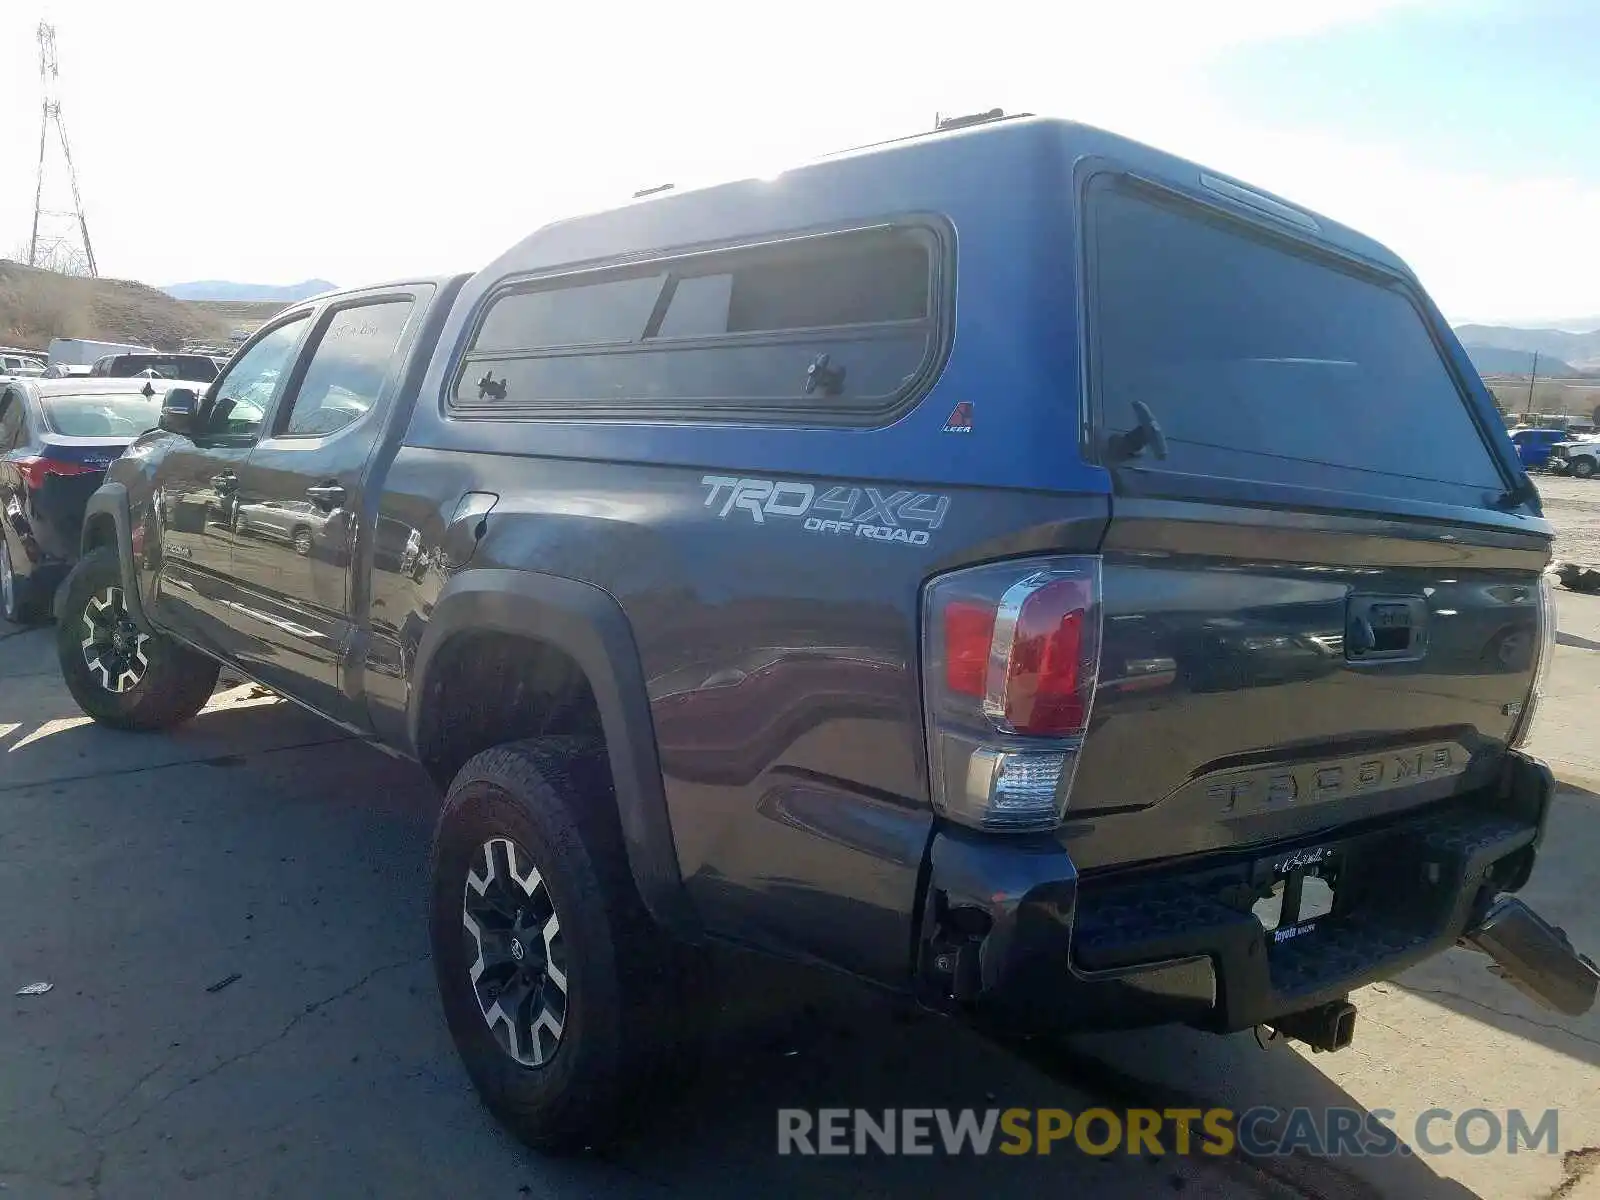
x=330, y=494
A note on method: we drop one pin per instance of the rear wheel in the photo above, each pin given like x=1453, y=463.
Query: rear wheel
x=302, y=542
x=561, y=994
x=118, y=674
x=17, y=603
x=1582, y=468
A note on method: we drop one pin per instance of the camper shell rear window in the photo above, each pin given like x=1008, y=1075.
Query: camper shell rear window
x=1266, y=360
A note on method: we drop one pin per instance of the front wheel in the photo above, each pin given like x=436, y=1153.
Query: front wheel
x=118, y=674
x=1582, y=468
x=561, y=994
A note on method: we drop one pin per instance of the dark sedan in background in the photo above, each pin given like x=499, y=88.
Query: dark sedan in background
x=197, y=368
x=57, y=437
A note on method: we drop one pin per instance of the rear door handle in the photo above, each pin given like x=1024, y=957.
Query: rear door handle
x=330, y=494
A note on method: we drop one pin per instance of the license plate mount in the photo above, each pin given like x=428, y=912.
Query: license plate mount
x=1302, y=891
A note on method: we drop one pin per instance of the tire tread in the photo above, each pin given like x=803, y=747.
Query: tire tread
x=176, y=685
x=632, y=1002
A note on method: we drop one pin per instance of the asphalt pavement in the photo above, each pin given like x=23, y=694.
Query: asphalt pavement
x=230, y=917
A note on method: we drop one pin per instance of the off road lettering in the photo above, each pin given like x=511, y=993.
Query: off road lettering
x=858, y=512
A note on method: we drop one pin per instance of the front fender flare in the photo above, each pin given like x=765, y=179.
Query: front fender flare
x=111, y=500
x=587, y=623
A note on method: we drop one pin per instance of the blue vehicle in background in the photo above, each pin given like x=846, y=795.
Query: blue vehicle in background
x=1533, y=445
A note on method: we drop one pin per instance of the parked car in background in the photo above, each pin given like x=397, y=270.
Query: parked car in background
x=1579, y=458
x=57, y=437
x=82, y=352
x=197, y=368
x=20, y=364
x=1533, y=445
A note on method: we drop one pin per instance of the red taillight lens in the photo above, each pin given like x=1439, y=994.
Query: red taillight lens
x=1012, y=655
x=968, y=633
x=35, y=470
x=1044, y=685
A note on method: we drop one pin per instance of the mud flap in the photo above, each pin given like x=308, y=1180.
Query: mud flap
x=1535, y=957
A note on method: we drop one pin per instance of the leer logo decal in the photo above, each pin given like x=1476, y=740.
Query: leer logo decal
x=877, y=514
x=960, y=419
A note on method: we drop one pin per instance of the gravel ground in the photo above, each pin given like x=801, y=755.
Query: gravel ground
x=1573, y=506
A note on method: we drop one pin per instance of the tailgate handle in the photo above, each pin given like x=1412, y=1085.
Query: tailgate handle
x=1386, y=629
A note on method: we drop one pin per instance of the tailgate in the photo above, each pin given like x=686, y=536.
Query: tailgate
x=1236, y=707
x=1322, y=605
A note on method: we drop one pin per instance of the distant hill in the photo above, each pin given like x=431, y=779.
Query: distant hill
x=222, y=289
x=1580, y=351
x=36, y=306
x=1494, y=360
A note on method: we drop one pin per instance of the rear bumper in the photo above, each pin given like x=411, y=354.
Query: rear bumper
x=1010, y=927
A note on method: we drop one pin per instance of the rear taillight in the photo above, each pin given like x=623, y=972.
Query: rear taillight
x=36, y=470
x=1546, y=651
x=1010, y=657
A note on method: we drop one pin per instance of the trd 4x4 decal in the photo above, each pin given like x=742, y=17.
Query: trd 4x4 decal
x=879, y=514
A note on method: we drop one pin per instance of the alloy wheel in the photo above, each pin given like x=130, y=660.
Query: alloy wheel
x=518, y=964
x=113, y=647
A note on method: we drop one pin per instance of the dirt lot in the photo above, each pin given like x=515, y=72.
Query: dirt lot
x=1573, y=505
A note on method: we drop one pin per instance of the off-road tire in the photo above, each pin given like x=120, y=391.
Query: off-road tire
x=1581, y=468
x=175, y=683
x=626, y=1026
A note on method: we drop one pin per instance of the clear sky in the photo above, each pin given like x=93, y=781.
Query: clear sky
x=353, y=140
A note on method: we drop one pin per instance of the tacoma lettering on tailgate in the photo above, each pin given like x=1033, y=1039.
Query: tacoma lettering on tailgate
x=1279, y=785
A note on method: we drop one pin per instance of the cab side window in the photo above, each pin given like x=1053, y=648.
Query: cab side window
x=348, y=367
x=244, y=394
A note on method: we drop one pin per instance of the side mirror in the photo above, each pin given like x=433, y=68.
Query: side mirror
x=178, y=411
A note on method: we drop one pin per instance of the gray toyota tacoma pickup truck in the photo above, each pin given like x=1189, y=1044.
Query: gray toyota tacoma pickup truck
x=982, y=563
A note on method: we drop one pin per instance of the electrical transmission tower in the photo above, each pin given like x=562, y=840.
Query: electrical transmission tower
x=57, y=251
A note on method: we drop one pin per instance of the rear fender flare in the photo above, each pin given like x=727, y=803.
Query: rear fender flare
x=588, y=624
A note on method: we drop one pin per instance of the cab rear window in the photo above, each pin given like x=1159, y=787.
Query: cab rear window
x=1265, y=361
